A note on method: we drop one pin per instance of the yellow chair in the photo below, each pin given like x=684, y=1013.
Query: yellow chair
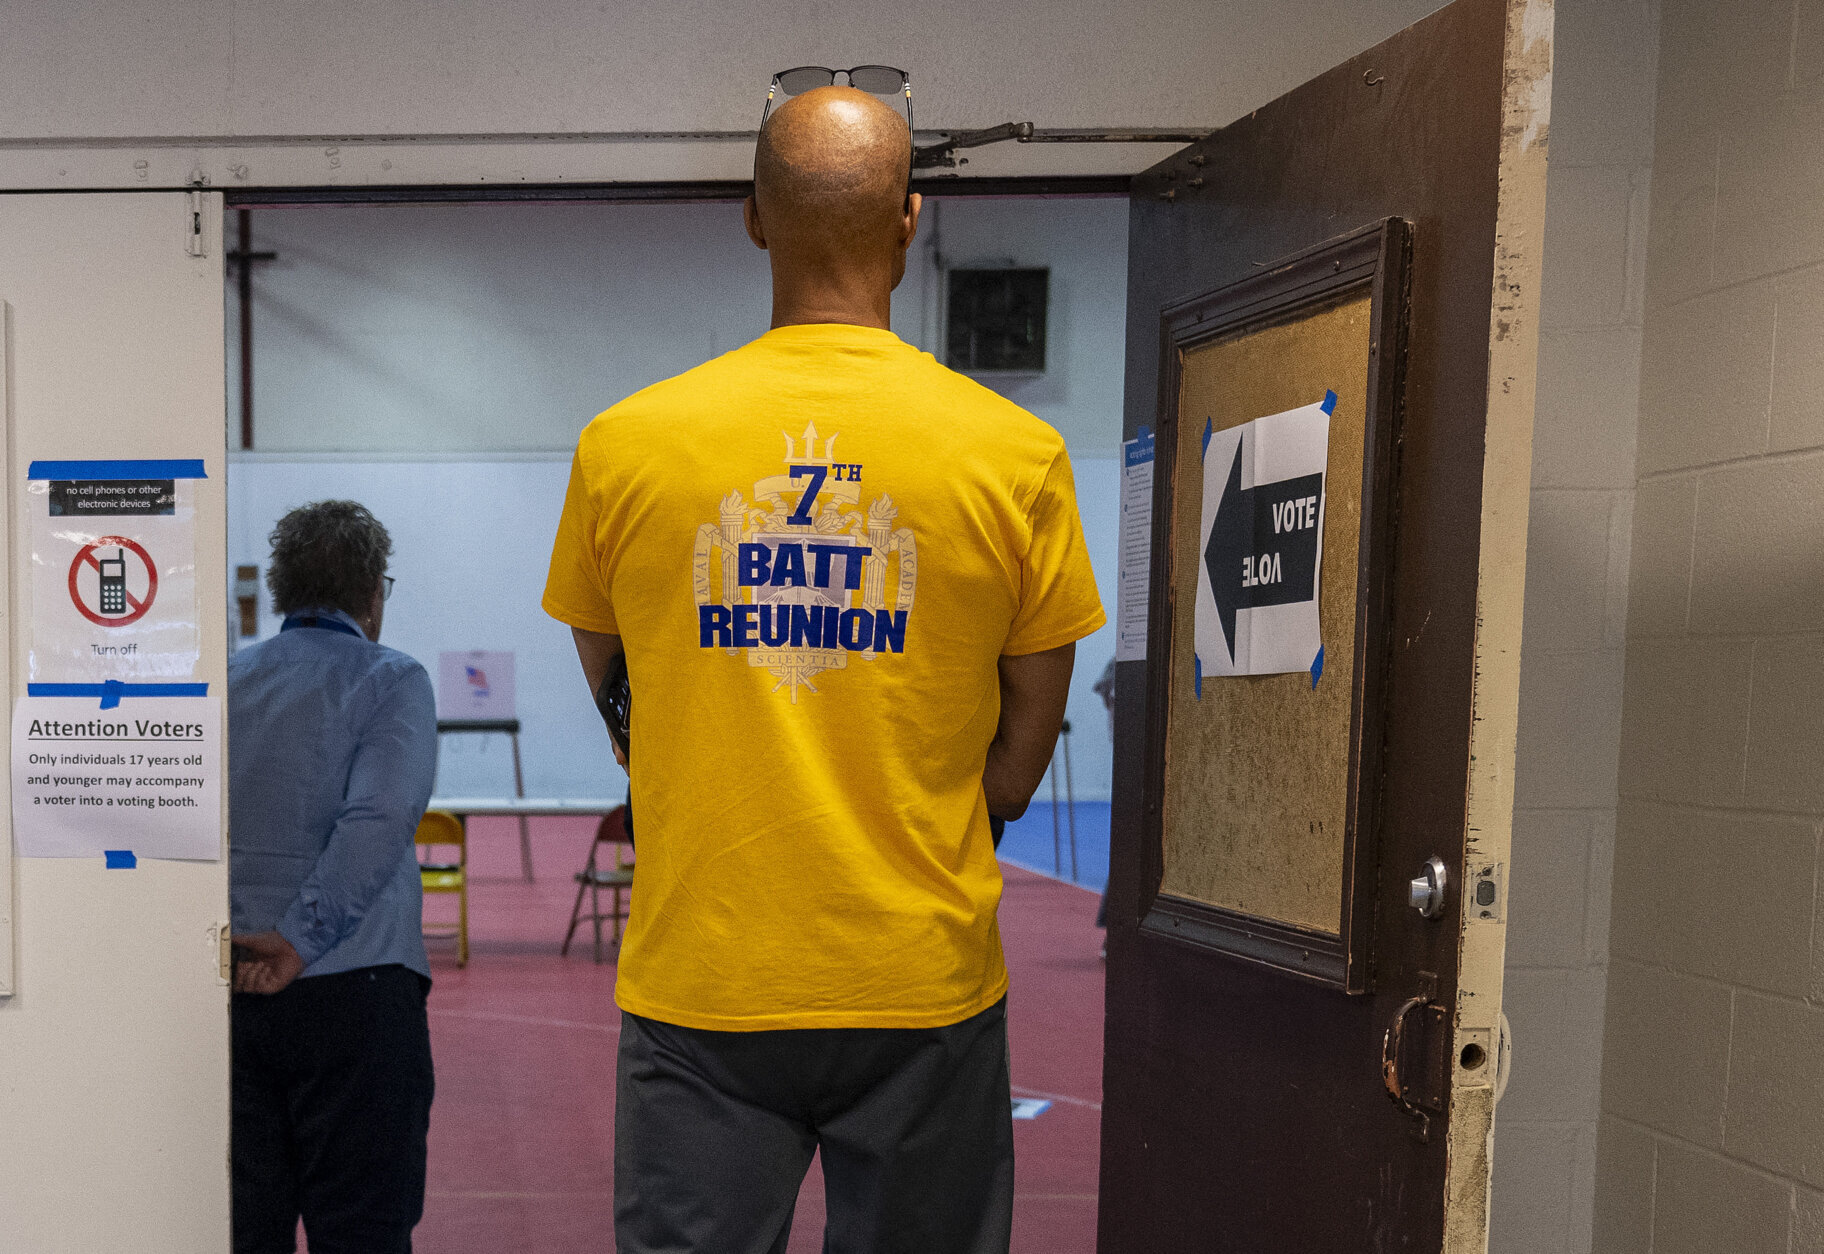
x=439, y=827
x=592, y=879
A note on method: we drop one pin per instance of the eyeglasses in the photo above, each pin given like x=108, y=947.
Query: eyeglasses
x=876, y=80
x=386, y=593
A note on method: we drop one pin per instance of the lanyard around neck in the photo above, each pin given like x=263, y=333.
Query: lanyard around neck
x=327, y=624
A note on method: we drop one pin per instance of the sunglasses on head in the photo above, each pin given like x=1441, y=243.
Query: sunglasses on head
x=876, y=80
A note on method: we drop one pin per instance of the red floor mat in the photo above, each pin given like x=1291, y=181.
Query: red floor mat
x=522, y=1133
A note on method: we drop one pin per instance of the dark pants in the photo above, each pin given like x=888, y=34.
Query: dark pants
x=714, y=1132
x=332, y=1102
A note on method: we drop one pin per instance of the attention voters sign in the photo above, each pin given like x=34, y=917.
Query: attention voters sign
x=1262, y=545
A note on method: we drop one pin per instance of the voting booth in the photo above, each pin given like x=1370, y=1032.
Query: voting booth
x=476, y=697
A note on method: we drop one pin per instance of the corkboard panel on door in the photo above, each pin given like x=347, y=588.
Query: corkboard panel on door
x=1257, y=770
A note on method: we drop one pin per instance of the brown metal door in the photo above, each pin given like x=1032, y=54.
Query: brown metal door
x=1298, y=1059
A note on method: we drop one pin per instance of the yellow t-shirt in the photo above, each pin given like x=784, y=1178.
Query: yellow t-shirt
x=814, y=549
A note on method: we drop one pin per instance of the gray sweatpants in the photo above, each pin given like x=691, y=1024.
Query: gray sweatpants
x=714, y=1132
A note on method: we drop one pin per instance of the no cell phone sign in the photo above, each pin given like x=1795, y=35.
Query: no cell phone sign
x=113, y=581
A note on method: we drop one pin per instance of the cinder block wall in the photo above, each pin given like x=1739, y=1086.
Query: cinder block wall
x=1576, y=611
x=1712, y=1134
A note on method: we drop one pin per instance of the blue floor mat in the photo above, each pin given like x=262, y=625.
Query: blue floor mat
x=1029, y=843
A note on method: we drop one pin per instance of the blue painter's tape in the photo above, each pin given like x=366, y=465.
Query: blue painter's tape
x=1329, y=406
x=120, y=859
x=1317, y=666
x=109, y=692
x=1138, y=450
x=1197, y=675
x=153, y=468
x=1209, y=429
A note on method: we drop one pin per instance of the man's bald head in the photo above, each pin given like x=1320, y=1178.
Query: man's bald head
x=832, y=165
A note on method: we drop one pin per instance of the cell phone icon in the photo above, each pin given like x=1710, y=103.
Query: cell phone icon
x=114, y=583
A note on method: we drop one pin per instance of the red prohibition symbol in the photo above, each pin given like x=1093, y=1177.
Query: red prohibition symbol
x=130, y=608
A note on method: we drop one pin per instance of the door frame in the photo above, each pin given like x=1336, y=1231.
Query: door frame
x=654, y=192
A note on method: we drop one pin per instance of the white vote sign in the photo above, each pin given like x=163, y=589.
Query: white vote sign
x=1261, y=545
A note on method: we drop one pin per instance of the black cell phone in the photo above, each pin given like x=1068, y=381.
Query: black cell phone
x=114, y=583
x=615, y=701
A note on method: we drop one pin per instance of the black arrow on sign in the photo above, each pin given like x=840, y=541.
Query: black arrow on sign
x=1263, y=545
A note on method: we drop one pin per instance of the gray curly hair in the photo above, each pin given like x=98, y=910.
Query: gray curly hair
x=328, y=554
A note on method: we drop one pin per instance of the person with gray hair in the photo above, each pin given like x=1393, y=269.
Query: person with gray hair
x=332, y=751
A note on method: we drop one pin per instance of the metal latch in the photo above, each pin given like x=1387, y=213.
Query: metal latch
x=196, y=243
x=1426, y=892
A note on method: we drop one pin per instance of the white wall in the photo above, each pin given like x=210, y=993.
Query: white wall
x=487, y=336
x=485, y=328
x=114, y=1047
x=1576, y=613
x=1713, y=1071
x=470, y=543
x=259, y=92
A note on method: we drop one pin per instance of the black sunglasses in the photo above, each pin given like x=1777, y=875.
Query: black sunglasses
x=876, y=80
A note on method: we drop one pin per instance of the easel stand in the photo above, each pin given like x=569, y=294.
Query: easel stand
x=510, y=728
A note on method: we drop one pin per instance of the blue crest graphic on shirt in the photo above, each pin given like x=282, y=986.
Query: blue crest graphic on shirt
x=803, y=576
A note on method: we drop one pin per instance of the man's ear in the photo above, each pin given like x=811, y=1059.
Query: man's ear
x=909, y=223
x=750, y=217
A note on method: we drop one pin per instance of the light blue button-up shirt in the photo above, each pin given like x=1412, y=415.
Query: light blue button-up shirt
x=332, y=752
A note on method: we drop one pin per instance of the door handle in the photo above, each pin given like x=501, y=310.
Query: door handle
x=1393, y=1051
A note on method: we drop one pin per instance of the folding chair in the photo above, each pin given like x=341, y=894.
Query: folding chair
x=593, y=878
x=439, y=827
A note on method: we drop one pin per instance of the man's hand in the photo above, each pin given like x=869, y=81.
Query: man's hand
x=273, y=964
x=1034, y=690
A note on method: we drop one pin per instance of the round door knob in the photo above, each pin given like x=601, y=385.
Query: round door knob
x=1426, y=892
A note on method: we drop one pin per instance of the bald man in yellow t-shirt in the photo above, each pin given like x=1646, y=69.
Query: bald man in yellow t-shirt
x=848, y=583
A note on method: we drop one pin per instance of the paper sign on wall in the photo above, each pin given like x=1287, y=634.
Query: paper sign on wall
x=1261, y=545
x=113, y=570
x=143, y=777
x=475, y=684
x=1136, y=557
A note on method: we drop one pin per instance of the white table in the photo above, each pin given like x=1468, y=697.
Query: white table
x=465, y=808
x=525, y=807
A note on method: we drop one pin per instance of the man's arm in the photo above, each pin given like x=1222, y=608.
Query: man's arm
x=1035, y=688
x=389, y=784
x=596, y=650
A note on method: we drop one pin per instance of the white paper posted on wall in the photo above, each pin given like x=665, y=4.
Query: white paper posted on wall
x=1262, y=545
x=1136, y=556
x=116, y=744
x=475, y=684
x=113, y=570
x=144, y=777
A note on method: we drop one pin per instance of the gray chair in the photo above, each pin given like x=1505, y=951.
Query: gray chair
x=594, y=877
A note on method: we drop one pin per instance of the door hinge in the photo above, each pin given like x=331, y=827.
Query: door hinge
x=195, y=242
x=224, y=936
